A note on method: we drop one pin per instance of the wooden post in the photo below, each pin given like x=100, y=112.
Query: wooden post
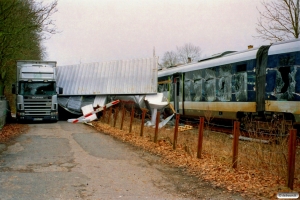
x=236, y=135
x=200, y=137
x=143, y=121
x=104, y=113
x=156, y=126
x=123, y=115
x=291, y=157
x=131, y=117
x=176, y=131
x=109, y=115
x=116, y=116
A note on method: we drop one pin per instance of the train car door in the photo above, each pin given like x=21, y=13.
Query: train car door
x=177, y=93
x=261, y=65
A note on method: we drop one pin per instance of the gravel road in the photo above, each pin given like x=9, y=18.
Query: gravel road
x=74, y=161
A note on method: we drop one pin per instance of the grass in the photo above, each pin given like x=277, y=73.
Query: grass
x=262, y=168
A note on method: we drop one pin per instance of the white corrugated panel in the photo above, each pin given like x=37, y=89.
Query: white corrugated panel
x=100, y=101
x=115, y=77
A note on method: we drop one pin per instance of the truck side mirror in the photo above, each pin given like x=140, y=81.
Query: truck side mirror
x=60, y=90
x=13, y=88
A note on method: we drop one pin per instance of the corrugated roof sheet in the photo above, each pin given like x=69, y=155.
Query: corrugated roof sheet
x=116, y=77
x=73, y=104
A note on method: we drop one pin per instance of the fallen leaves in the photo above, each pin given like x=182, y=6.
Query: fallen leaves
x=10, y=131
x=247, y=181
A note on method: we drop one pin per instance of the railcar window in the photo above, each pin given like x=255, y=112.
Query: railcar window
x=166, y=91
x=285, y=83
x=210, y=84
x=163, y=87
x=283, y=77
x=189, y=90
x=240, y=86
x=241, y=68
x=285, y=60
x=197, y=74
x=210, y=73
x=285, y=71
x=171, y=92
x=189, y=75
x=198, y=90
x=160, y=88
x=224, y=83
x=198, y=79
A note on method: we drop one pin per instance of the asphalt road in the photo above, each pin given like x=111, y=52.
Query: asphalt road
x=73, y=161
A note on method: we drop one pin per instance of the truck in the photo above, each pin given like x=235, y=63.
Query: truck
x=36, y=91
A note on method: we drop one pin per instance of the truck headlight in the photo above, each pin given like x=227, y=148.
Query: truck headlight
x=54, y=113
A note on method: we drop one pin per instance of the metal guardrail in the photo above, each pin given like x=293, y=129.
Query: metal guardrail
x=3, y=111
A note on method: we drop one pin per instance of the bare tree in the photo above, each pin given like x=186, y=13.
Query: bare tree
x=188, y=53
x=184, y=54
x=169, y=59
x=279, y=21
x=23, y=25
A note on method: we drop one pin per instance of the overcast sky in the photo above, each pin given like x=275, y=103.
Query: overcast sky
x=105, y=30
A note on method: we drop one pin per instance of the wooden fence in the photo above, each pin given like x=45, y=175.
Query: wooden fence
x=125, y=113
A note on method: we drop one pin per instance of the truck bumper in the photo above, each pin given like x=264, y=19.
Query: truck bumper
x=37, y=118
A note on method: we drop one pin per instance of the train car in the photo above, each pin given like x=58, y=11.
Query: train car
x=259, y=84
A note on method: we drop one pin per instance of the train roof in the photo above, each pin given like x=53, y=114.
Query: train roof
x=249, y=54
x=284, y=47
x=226, y=59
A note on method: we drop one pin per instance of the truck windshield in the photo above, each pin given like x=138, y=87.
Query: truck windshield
x=37, y=88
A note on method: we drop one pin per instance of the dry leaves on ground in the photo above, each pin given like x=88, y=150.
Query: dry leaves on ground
x=248, y=182
x=10, y=131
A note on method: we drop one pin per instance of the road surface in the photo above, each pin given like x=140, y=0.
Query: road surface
x=73, y=161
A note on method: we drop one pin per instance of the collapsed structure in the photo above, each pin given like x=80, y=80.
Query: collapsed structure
x=98, y=83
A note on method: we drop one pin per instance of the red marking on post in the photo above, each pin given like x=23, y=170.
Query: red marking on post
x=87, y=115
x=115, y=102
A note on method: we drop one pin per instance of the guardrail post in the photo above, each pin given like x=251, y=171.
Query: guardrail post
x=131, y=117
x=104, y=113
x=109, y=115
x=176, y=131
x=236, y=135
x=116, y=116
x=123, y=115
x=156, y=126
x=143, y=121
x=291, y=157
x=200, y=137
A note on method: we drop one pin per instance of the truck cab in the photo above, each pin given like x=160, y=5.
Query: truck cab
x=36, y=91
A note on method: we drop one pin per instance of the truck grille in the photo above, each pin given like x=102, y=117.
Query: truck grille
x=37, y=106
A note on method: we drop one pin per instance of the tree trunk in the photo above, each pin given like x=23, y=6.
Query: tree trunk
x=2, y=88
